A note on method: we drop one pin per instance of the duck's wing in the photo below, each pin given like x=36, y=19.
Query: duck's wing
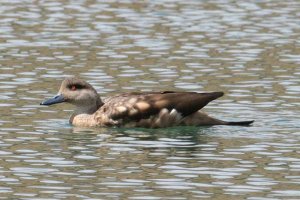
x=137, y=106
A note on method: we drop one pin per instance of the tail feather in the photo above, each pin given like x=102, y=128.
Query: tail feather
x=241, y=123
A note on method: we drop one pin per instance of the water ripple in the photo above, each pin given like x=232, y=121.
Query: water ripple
x=240, y=48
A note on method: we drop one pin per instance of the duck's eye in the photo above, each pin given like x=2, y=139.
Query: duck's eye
x=73, y=88
x=76, y=87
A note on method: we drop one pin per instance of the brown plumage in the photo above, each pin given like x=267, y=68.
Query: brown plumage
x=149, y=109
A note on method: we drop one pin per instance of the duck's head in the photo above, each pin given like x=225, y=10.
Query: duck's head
x=77, y=92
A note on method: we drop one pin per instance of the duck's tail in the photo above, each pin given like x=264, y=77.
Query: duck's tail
x=241, y=123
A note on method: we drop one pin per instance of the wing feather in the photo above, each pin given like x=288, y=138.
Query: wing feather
x=137, y=106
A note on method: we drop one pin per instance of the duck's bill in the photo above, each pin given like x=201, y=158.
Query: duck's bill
x=57, y=99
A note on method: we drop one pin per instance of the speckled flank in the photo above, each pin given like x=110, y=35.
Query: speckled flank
x=150, y=109
x=164, y=118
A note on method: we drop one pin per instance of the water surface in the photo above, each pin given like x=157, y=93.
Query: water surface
x=249, y=50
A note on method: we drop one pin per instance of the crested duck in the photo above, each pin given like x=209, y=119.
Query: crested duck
x=145, y=109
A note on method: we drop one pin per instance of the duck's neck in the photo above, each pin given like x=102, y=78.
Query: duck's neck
x=83, y=115
x=89, y=108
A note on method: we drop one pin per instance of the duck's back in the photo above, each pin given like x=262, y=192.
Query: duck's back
x=152, y=109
